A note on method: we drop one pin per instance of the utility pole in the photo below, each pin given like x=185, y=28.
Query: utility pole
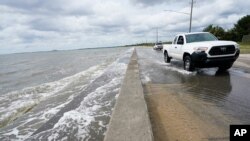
x=157, y=35
x=191, y=16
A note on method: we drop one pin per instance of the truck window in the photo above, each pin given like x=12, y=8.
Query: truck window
x=180, y=40
x=200, y=37
x=175, y=39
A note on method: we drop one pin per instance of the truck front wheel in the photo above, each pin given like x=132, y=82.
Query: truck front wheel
x=188, y=64
x=225, y=67
x=167, y=59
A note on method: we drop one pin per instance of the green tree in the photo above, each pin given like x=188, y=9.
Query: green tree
x=208, y=28
x=242, y=27
x=231, y=35
x=218, y=31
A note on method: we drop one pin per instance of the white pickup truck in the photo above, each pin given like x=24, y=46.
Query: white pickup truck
x=201, y=50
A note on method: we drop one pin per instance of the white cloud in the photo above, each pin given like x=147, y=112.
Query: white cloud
x=34, y=25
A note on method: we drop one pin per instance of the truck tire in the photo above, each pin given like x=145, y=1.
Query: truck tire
x=188, y=64
x=224, y=67
x=167, y=59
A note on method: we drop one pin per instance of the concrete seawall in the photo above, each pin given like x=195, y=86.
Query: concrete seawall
x=130, y=120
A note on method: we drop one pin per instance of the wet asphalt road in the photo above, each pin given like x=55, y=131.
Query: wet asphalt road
x=225, y=95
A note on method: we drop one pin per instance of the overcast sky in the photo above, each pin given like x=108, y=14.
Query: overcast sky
x=39, y=25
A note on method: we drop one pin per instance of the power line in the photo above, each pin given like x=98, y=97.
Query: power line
x=191, y=14
x=177, y=12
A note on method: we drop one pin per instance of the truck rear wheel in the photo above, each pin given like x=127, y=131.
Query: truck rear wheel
x=167, y=59
x=188, y=64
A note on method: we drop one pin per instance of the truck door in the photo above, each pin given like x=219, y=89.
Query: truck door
x=172, y=47
x=178, y=47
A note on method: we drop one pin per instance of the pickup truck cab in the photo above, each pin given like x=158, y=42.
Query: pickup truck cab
x=201, y=49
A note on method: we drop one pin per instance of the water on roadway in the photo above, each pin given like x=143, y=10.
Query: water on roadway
x=220, y=98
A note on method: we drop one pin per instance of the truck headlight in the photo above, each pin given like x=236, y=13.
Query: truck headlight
x=237, y=46
x=200, y=49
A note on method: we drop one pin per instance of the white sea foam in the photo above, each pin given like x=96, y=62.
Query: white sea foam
x=15, y=104
x=72, y=88
x=82, y=117
x=172, y=67
x=145, y=78
x=79, y=122
x=182, y=71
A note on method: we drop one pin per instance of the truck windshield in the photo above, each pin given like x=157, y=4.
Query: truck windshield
x=199, y=37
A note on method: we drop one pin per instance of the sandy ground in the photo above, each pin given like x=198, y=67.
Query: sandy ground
x=173, y=121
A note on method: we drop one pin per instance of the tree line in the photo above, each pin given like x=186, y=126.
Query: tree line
x=241, y=28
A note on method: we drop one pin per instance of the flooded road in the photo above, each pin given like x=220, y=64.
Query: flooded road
x=197, y=105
